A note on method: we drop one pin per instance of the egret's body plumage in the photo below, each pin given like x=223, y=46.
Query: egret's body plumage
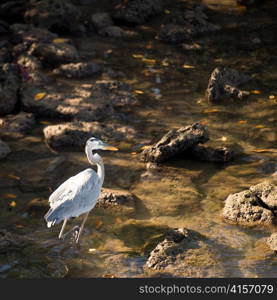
x=79, y=194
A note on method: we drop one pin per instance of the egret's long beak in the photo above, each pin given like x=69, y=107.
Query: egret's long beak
x=109, y=147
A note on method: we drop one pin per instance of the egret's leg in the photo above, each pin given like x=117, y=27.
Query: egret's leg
x=63, y=227
x=71, y=230
x=81, y=228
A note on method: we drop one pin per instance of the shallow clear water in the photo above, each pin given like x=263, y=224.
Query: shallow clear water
x=182, y=193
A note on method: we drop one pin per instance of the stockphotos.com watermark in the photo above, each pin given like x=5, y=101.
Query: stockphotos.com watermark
x=223, y=289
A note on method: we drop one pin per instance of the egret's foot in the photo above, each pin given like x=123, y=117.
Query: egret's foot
x=74, y=229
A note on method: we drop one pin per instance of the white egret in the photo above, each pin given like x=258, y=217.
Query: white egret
x=79, y=194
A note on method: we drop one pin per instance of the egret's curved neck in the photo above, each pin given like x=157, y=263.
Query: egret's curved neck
x=95, y=158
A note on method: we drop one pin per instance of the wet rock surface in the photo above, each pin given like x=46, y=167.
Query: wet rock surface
x=182, y=27
x=137, y=11
x=272, y=241
x=78, y=70
x=16, y=126
x=224, y=83
x=256, y=206
x=179, y=252
x=9, y=87
x=176, y=142
x=4, y=149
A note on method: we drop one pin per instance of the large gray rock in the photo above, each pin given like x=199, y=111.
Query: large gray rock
x=4, y=149
x=137, y=11
x=176, y=142
x=9, y=87
x=256, y=206
x=185, y=253
x=223, y=84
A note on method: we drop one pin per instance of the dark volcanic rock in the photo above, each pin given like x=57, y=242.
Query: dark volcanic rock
x=255, y=206
x=76, y=133
x=4, y=149
x=53, y=54
x=181, y=28
x=176, y=142
x=185, y=253
x=9, y=87
x=272, y=241
x=78, y=70
x=202, y=153
x=55, y=15
x=137, y=11
x=15, y=126
x=223, y=84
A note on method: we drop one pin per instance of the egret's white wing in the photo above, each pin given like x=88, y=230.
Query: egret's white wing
x=55, y=196
x=75, y=196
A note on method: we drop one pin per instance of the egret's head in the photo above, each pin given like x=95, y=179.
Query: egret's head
x=94, y=144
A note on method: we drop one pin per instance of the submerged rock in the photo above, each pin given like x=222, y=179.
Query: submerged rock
x=255, y=206
x=223, y=84
x=55, y=15
x=272, y=241
x=4, y=149
x=9, y=87
x=137, y=11
x=76, y=133
x=185, y=253
x=11, y=241
x=14, y=126
x=176, y=142
x=78, y=70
